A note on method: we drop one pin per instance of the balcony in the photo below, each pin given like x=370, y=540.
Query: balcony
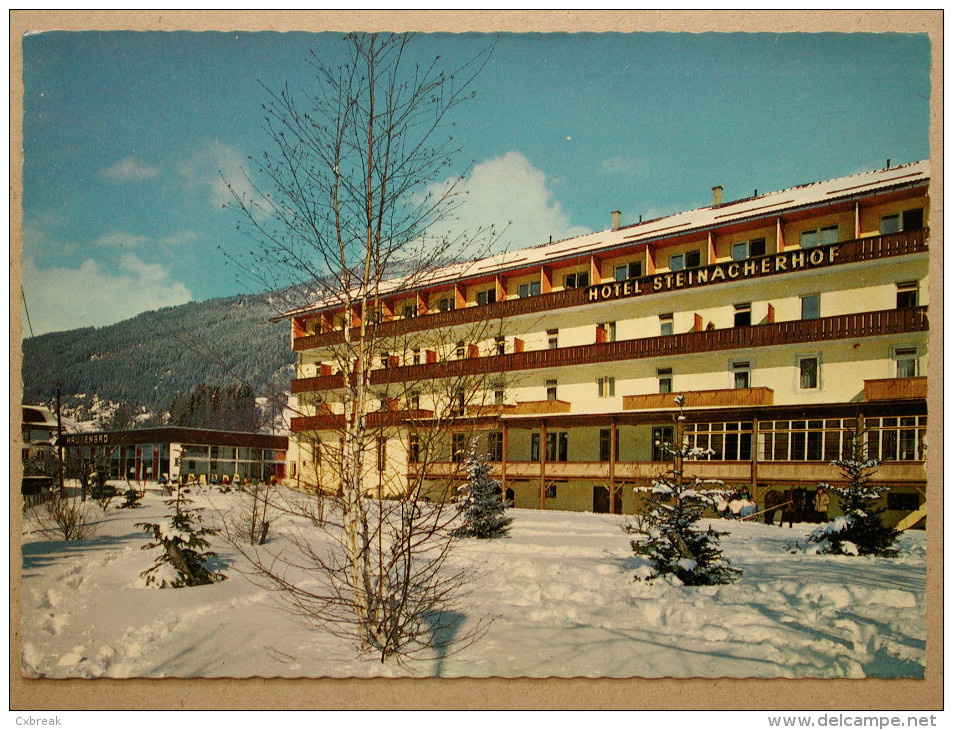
x=730, y=472
x=701, y=399
x=540, y=408
x=861, y=249
x=840, y=327
x=895, y=389
x=375, y=419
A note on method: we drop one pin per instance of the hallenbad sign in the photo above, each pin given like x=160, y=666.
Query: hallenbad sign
x=734, y=271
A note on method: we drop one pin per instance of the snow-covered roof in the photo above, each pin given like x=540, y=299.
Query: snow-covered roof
x=758, y=206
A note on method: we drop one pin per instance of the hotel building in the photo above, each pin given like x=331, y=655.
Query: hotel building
x=785, y=319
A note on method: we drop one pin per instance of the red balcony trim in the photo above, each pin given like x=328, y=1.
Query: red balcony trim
x=860, y=249
x=839, y=327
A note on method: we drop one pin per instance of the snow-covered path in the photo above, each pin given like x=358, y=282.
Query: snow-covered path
x=557, y=596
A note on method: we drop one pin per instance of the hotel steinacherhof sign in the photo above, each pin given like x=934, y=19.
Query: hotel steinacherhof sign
x=736, y=270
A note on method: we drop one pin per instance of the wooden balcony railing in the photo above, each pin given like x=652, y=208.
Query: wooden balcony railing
x=895, y=388
x=860, y=249
x=838, y=327
x=375, y=419
x=731, y=472
x=702, y=399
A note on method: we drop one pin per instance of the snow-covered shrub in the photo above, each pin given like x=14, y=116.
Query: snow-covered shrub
x=132, y=497
x=250, y=522
x=480, y=501
x=183, y=560
x=68, y=517
x=666, y=531
x=860, y=531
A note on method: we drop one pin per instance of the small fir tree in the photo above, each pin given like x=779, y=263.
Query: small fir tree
x=480, y=501
x=860, y=531
x=184, y=558
x=667, y=532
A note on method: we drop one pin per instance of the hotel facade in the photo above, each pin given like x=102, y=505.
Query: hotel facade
x=785, y=320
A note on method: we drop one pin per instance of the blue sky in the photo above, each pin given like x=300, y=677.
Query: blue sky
x=125, y=135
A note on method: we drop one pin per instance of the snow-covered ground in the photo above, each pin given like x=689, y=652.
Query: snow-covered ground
x=558, y=594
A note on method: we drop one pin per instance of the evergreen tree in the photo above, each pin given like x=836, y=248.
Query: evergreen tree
x=860, y=531
x=479, y=501
x=667, y=532
x=184, y=558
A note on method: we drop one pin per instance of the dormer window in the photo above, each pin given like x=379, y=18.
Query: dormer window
x=687, y=260
x=487, y=296
x=576, y=281
x=747, y=249
x=530, y=289
x=631, y=270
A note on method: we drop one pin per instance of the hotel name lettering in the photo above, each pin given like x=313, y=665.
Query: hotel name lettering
x=734, y=271
x=85, y=439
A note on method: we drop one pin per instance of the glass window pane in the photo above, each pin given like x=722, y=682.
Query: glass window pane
x=831, y=234
x=808, y=238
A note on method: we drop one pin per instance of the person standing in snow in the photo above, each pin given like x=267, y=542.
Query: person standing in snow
x=821, y=503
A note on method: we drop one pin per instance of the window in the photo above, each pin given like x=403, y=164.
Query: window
x=487, y=296
x=664, y=380
x=606, y=332
x=498, y=396
x=687, y=260
x=605, y=444
x=500, y=345
x=530, y=290
x=534, y=447
x=908, y=364
x=385, y=359
x=459, y=445
x=495, y=442
x=557, y=446
x=413, y=449
x=743, y=315
x=903, y=501
x=551, y=491
x=666, y=324
x=820, y=236
x=662, y=438
x=552, y=338
x=417, y=356
x=381, y=454
x=810, y=306
x=631, y=270
x=809, y=369
x=747, y=249
x=413, y=400
x=741, y=374
x=909, y=220
x=576, y=281
x=461, y=350
x=410, y=311
x=458, y=402
x=907, y=294
x=445, y=304
x=606, y=386
x=912, y=219
x=550, y=390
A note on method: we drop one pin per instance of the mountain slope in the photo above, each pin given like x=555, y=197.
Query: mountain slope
x=146, y=360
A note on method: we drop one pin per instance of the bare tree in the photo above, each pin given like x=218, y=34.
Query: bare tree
x=358, y=181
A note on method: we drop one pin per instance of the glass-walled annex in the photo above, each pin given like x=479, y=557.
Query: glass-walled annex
x=185, y=454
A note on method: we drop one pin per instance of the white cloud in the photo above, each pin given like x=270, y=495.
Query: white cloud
x=129, y=169
x=120, y=239
x=510, y=193
x=207, y=168
x=62, y=299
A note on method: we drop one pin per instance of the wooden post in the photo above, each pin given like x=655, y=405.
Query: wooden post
x=754, y=461
x=506, y=446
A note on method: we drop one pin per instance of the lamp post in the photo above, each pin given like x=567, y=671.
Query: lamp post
x=59, y=442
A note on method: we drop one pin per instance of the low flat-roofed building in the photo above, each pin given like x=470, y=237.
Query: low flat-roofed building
x=174, y=453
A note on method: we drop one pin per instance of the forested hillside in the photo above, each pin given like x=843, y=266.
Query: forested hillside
x=149, y=359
